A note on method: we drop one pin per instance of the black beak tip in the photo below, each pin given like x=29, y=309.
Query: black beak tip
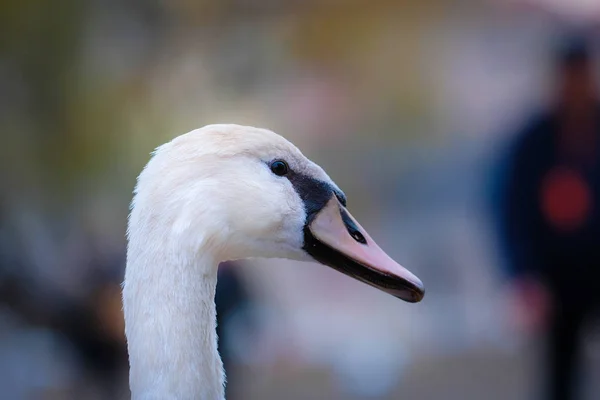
x=410, y=295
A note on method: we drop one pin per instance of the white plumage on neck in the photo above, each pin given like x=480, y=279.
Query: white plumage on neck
x=168, y=294
x=172, y=328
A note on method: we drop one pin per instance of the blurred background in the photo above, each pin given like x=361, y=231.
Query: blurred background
x=411, y=106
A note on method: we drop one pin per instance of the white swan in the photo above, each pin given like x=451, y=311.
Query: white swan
x=219, y=193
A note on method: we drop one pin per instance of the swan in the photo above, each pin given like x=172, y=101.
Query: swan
x=227, y=192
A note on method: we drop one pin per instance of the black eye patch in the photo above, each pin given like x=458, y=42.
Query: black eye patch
x=313, y=192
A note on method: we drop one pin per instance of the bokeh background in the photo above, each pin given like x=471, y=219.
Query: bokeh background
x=407, y=104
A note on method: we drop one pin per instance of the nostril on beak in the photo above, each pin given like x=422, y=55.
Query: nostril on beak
x=352, y=228
x=356, y=235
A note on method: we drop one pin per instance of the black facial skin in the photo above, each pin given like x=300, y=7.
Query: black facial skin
x=315, y=194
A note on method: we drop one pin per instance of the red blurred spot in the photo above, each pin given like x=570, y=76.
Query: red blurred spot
x=566, y=199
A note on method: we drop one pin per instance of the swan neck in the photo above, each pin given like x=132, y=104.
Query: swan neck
x=170, y=324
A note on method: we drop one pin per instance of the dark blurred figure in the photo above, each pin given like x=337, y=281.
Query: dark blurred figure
x=92, y=326
x=233, y=303
x=551, y=217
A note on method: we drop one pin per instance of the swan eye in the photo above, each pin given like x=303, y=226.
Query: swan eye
x=279, y=167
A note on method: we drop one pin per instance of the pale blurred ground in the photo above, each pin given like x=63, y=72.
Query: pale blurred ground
x=406, y=104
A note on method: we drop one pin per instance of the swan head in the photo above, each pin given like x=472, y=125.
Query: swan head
x=245, y=192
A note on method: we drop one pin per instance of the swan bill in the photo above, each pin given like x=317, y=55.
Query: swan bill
x=334, y=238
